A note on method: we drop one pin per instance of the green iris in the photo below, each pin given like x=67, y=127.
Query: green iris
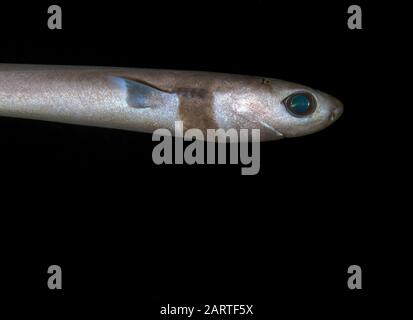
x=300, y=104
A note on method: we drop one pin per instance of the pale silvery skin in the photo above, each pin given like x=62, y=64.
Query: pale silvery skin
x=264, y=108
x=148, y=99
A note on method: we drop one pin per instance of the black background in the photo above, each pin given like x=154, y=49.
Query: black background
x=131, y=236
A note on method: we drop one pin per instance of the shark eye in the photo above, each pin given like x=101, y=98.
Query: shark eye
x=300, y=104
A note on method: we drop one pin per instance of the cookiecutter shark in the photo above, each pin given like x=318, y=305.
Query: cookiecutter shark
x=148, y=99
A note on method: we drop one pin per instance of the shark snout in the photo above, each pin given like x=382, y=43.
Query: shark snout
x=336, y=110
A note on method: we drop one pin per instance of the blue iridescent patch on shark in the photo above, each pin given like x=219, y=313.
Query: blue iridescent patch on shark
x=142, y=95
